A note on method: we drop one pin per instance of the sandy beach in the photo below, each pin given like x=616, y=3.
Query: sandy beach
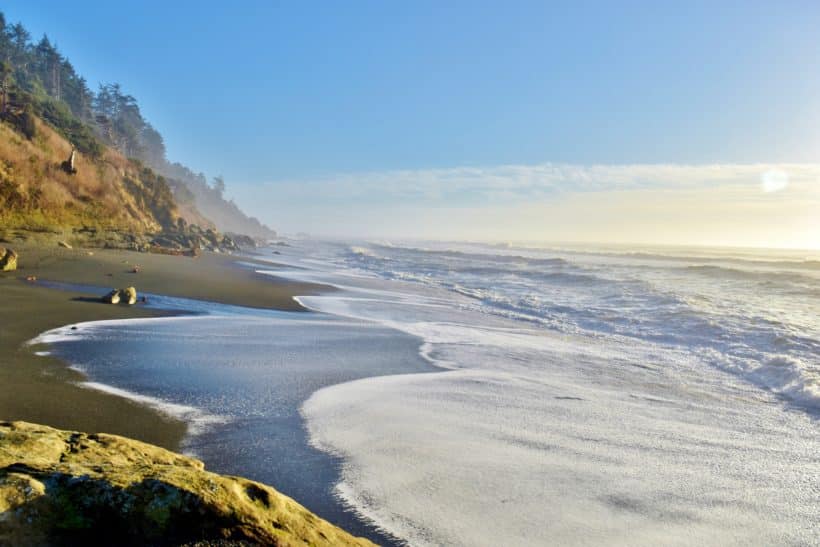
x=41, y=388
x=243, y=359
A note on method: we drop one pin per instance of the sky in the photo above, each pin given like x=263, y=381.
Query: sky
x=655, y=122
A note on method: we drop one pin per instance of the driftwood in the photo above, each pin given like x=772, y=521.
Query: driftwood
x=68, y=165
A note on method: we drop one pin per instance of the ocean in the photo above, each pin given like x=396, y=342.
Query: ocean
x=481, y=394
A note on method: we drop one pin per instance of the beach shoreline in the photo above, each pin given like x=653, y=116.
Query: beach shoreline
x=38, y=387
x=42, y=384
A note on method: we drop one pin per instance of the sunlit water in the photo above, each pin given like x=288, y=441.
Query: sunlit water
x=580, y=396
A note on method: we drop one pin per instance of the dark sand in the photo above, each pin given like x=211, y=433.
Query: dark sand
x=40, y=389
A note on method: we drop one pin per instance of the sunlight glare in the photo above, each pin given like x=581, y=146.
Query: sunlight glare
x=774, y=180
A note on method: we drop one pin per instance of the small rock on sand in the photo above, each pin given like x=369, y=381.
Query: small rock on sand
x=127, y=295
x=8, y=260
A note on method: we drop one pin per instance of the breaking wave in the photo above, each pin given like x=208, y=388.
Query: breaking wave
x=740, y=312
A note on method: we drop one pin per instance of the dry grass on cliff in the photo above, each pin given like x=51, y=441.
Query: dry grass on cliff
x=107, y=193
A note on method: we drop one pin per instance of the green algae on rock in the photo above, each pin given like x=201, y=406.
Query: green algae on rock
x=64, y=487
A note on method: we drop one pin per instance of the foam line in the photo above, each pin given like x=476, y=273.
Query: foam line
x=198, y=420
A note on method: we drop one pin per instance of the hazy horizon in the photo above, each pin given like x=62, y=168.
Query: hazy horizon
x=761, y=206
x=605, y=122
x=568, y=245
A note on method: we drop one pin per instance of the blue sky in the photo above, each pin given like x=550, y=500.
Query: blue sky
x=274, y=93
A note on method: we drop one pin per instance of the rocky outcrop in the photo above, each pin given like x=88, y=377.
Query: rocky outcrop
x=193, y=238
x=242, y=241
x=127, y=295
x=8, y=260
x=63, y=487
x=184, y=240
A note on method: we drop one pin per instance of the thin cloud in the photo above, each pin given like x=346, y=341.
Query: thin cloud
x=525, y=183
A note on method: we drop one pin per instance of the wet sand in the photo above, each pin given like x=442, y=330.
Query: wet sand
x=41, y=389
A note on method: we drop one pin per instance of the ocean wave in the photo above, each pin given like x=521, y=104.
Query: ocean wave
x=363, y=251
x=490, y=254
x=790, y=377
x=741, y=311
x=811, y=264
x=652, y=361
x=713, y=270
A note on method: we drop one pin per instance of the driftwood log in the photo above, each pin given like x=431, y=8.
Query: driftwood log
x=68, y=165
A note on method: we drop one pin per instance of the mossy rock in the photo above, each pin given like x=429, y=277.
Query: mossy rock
x=63, y=487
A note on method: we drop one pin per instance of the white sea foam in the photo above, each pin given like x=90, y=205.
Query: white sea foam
x=787, y=375
x=363, y=251
x=618, y=427
x=81, y=330
x=522, y=447
x=198, y=421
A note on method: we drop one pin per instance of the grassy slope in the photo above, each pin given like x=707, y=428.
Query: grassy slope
x=110, y=193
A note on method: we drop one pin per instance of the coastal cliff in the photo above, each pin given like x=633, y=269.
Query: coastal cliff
x=64, y=487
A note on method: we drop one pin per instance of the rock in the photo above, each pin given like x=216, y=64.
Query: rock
x=64, y=244
x=8, y=260
x=64, y=487
x=242, y=241
x=113, y=297
x=169, y=242
x=127, y=295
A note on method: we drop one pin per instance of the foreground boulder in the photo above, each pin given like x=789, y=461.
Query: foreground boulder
x=63, y=487
x=8, y=260
x=127, y=295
